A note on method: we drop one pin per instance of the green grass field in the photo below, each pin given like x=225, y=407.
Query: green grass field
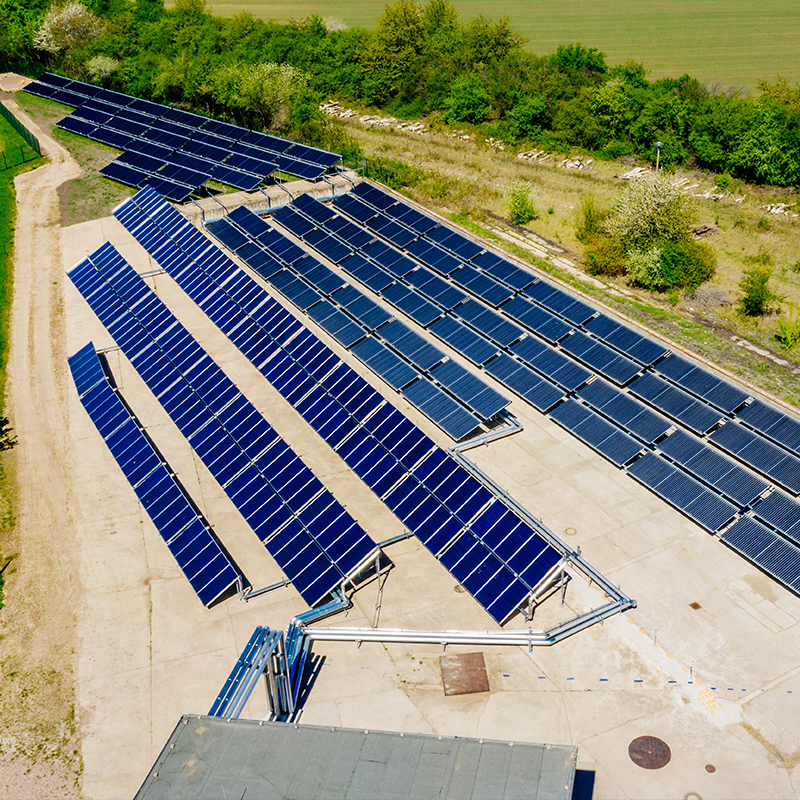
x=736, y=42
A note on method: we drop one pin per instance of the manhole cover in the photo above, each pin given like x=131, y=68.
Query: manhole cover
x=710, y=768
x=459, y=589
x=648, y=752
x=464, y=674
x=692, y=796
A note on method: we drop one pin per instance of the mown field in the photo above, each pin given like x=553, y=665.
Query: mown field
x=735, y=42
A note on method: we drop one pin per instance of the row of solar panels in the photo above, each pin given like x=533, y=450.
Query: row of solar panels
x=684, y=391
x=187, y=534
x=714, y=491
x=450, y=395
x=498, y=558
x=314, y=540
x=174, y=151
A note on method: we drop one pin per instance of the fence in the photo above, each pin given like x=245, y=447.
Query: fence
x=8, y=156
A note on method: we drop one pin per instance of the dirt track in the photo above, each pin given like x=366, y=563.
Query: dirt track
x=37, y=626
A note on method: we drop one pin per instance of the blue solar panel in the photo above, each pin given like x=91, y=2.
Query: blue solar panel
x=453, y=241
x=677, y=404
x=760, y=454
x=539, y=392
x=361, y=307
x=416, y=349
x=315, y=209
x=391, y=230
x=413, y=304
x=537, y=319
x=437, y=289
x=774, y=555
x=781, y=513
x=696, y=380
x=396, y=372
x=560, y=302
x=374, y=196
x=506, y=272
x=337, y=323
x=704, y=462
x=602, y=359
x=389, y=258
x=416, y=220
x=349, y=232
x=451, y=417
x=489, y=323
x=367, y=273
x=471, y=345
x=353, y=207
x=773, y=423
x=78, y=126
x=434, y=257
x=122, y=173
x=624, y=410
x=295, y=289
x=326, y=244
x=553, y=365
x=319, y=276
x=616, y=446
x=638, y=347
x=472, y=391
x=209, y=570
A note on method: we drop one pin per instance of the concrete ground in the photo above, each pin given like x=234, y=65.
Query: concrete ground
x=718, y=684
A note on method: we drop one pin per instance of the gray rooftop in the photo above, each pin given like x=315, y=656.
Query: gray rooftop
x=208, y=757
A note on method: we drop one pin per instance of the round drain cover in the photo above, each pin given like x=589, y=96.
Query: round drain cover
x=648, y=752
x=710, y=768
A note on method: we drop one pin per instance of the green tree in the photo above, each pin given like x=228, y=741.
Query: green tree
x=757, y=294
x=467, y=101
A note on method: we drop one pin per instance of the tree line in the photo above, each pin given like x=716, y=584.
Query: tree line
x=419, y=60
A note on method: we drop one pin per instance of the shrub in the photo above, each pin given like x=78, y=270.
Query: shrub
x=789, y=332
x=520, y=206
x=757, y=292
x=590, y=219
x=644, y=268
x=395, y=174
x=467, y=101
x=686, y=264
x=605, y=256
x=651, y=209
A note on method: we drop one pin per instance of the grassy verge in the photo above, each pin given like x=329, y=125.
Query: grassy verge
x=91, y=196
x=9, y=140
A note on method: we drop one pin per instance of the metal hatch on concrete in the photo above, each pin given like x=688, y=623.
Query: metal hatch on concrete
x=207, y=758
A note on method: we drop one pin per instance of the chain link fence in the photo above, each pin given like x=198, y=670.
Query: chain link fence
x=18, y=154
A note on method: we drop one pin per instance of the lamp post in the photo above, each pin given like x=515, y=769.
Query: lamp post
x=659, y=145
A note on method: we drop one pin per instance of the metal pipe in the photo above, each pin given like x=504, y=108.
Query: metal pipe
x=257, y=592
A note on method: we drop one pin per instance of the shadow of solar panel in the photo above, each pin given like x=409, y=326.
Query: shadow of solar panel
x=410, y=344
x=434, y=257
x=601, y=358
x=536, y=319
x=489, y=323
x=616, y=446
x=331, y=248
x=122, y=173
x=337, y=323
x=366, y=311
x=413, y=304
x=767, y=550
x=560, y=302
x=367, y=273
x=452, y=418
x=485, y=287
x=773, y=423
x=471, y=345
x=396, y=372
x=538, y=391
x=472, y=391
x=437, y=289
x=550, y=363
x=696, y=380
x=504, y=271
x=760, y=454
x=781, y=513
x=699, y=459
x=694, y=414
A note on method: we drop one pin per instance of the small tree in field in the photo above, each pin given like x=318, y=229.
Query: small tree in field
x=757, y=294
x=520, y=206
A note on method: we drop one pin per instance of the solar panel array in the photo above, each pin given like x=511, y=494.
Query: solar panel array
x=450, y=395
x=187, y=534
x=496, y=556
x=594, y=367
x=314, y=540
x=173, y=151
